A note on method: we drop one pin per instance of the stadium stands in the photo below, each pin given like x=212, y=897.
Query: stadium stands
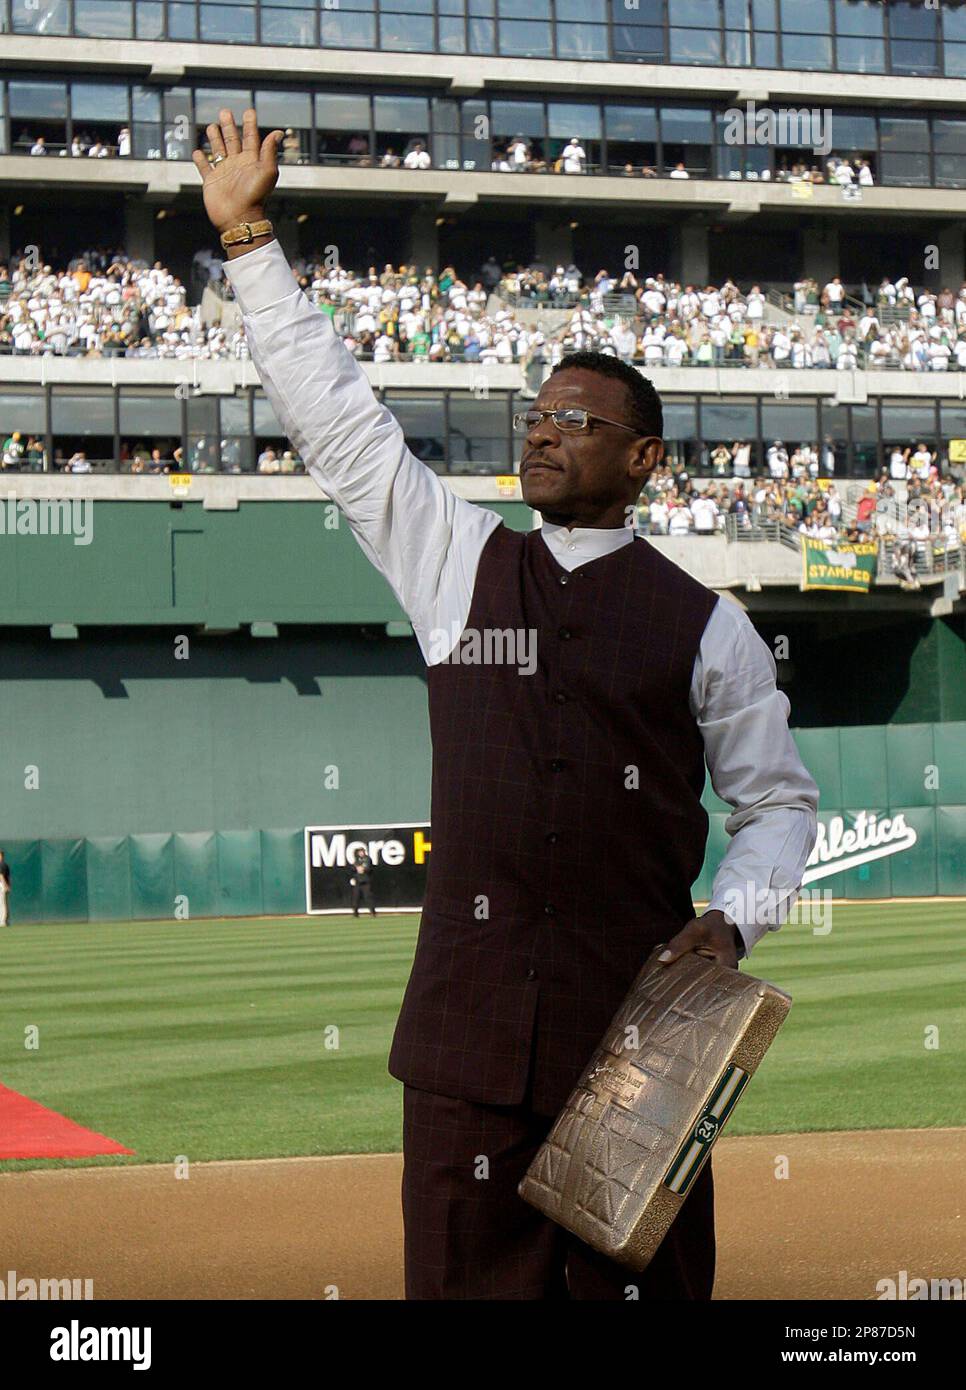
x=107, y=304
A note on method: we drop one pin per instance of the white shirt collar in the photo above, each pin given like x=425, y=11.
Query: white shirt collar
x=571, y=548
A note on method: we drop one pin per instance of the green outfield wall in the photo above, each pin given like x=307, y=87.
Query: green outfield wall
x=153, y=745
x=131, y=776
x=225, y=564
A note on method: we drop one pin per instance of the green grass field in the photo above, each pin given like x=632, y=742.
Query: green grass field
x=209, y=1038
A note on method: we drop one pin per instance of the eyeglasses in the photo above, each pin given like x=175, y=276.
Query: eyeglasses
x=569, y=421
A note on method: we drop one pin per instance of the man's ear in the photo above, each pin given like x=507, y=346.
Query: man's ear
x=650, y=453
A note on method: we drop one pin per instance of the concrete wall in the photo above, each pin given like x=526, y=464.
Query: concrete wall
x=163, y=181
x=224, y=376
x=466, y=74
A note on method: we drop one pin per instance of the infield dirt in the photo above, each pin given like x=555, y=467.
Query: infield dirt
x=856, y=1208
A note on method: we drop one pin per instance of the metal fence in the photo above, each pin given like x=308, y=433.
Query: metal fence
x=761, y=529
x=935, y=557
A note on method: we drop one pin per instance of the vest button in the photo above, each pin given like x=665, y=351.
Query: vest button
x=561, y=697
x=565, y=579
x=531, y=974
x=564, y=634
x=552, y=838
x=549, y=910
x=557, y=765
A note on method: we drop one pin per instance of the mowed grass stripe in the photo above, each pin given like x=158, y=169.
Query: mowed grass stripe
x=207, y=1039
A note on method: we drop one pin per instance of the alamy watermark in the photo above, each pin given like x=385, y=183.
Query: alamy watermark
x=77, y=1343
x=803, y=128
x=489, y=646
x=48, y=516
x=750, y=903
x=42, y=1290
x=912, y=1287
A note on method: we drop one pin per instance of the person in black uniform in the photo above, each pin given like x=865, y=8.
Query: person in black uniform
x=4, y=891
x=361, y=882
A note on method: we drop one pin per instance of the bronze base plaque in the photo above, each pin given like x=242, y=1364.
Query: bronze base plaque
x=626, y=1148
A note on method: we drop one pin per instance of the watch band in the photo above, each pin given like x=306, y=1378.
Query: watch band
x=245, y=232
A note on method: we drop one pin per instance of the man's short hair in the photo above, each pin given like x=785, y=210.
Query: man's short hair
x=646, y=411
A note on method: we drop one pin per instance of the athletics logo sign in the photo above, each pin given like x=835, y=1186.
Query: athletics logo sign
x=869, y=838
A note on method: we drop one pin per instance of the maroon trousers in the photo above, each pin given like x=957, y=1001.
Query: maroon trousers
x=468, y=1235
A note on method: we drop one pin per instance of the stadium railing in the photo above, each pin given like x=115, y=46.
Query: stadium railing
x=761, y=530
x=935, y=557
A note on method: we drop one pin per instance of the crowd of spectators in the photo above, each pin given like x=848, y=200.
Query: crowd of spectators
x=83, y=145
x=924, y=527
x=25, y=453
x=658, y=322
x=105, y=303
x=673, y=504
x=517, y=155
x=839, y=170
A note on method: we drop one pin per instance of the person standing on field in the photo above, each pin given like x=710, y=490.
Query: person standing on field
x=361, y=883
x=4, y=891
x=568, y=826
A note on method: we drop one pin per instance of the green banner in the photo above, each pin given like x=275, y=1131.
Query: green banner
x=852, y=568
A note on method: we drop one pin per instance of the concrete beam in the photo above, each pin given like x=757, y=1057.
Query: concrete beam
x=740, y=209
x=166, y=71
x=851, y=388
x=224, y=376
x=233, y=61
x=595, y=195
x=459, y=202
x=217, y=492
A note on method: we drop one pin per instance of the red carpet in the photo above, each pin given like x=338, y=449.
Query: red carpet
x=29, y=1130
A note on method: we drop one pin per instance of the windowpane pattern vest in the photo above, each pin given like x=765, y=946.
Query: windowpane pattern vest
x=567, y=825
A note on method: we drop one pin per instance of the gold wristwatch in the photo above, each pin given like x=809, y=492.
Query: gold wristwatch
x=245, y=233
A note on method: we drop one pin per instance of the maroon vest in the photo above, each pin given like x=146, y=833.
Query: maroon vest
x=567, y=825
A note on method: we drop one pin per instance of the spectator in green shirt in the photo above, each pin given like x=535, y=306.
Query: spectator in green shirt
x=35, y=455
x=13, y=451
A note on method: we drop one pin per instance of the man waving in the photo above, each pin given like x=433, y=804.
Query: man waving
x=566, y=795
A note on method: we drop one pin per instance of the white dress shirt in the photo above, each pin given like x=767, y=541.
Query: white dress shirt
x=427, y=543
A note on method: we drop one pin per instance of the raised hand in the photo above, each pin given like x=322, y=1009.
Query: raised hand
x=237, y=185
